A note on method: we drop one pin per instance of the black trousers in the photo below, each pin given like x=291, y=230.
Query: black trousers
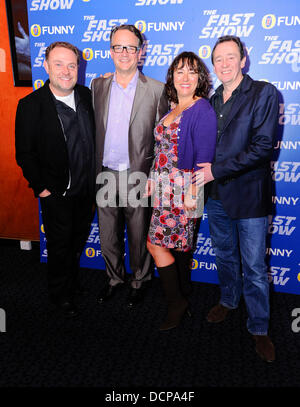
x=67, y=223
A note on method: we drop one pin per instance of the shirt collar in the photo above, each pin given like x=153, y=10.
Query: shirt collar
x=219, y=90
x=133, y=81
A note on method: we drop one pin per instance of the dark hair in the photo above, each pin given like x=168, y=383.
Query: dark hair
x=62, y=44
x=227, y=38
x=129, y=27
x=193, y=61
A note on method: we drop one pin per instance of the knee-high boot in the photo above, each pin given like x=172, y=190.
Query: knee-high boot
x=177, y=304
x=183, y=260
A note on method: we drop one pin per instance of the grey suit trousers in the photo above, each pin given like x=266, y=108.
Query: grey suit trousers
x=113, y=219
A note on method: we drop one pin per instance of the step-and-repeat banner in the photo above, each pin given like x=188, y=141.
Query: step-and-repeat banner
x=270, y=31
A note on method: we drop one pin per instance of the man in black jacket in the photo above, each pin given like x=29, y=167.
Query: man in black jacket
x=240, y=195
x=55, y=149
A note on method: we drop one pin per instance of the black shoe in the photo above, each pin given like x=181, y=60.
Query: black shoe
x=67, y=308
x=107, y=292
x=176, y=312
x=135, y=296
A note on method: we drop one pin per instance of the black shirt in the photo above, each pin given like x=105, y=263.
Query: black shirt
x=222, y=111
x=79, y=145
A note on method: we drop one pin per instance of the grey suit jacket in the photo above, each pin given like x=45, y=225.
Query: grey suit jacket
x=149, y=105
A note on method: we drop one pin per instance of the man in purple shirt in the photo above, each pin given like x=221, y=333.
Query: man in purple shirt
x=127, y=106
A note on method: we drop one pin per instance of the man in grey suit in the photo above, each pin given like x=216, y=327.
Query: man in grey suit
x=127, y=106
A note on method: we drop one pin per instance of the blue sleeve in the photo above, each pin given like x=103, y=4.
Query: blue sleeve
x=204, y=134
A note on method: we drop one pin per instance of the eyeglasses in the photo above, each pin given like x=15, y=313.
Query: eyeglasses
x=118, y=49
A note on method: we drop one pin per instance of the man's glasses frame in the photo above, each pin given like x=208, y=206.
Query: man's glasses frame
x=130, y=49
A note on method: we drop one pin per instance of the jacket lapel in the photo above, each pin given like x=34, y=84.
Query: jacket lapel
x=140, y=94
x=239, y=101
x=49, y=104
x=104, y=97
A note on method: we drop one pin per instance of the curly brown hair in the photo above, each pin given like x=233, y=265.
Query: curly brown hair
x=194, y=62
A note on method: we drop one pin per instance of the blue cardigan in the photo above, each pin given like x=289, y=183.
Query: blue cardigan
x=197, y=133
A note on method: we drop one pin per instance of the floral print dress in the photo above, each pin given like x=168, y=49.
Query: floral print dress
x=169, y=227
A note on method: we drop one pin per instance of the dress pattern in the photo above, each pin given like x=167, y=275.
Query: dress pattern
x=170, y=227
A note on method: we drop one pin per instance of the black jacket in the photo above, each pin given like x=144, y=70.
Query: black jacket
x=41, y=150
x=244, y=150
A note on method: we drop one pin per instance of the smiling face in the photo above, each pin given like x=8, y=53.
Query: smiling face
x=62, y=69
x=125, y=63
x=185, y=79
x=228, y=64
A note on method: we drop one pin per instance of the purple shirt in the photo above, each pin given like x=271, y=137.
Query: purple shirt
x=116, y=155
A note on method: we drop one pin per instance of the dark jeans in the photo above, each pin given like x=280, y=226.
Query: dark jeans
x=67, y=223
x=240, y=248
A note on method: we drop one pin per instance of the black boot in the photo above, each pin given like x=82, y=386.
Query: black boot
x=183, y=261
x=177, y=304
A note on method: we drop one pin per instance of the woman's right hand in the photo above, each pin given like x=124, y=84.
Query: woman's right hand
x=106, y=75
x=149, y=188
x=44, y=193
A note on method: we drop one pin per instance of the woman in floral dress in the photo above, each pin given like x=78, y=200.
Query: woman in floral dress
x=184, y=137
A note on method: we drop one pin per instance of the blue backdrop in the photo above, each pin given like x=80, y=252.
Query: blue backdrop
x=270, y=31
